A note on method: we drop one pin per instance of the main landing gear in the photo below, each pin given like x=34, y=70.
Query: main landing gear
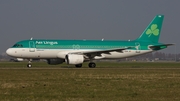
x=78, y=65
x=91, y=65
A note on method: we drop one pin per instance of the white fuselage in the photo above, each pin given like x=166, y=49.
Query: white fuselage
x=33, y=53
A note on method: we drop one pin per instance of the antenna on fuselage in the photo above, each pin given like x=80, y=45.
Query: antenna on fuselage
x=102, y=39
x=31, y=38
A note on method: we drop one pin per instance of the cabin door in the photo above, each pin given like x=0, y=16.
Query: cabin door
x=138, y=47
x=31, y=46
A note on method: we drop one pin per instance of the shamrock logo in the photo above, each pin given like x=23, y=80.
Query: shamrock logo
x=153, y=30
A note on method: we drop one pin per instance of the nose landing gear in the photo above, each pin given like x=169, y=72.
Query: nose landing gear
x=29, y=65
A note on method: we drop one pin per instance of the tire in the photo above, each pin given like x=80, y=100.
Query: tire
x=29, y=65
x=92, y=65
x=78, y=65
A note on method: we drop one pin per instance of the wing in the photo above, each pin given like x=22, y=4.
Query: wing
x=157, y=47
x=92, y=54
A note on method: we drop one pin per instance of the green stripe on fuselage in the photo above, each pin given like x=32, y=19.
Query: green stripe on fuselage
x=84, y=44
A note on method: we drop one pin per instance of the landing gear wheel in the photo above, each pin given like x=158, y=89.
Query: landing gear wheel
x=29, y=65
x=92, y=65
x=78, y=65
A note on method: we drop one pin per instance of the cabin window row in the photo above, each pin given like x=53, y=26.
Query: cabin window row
x=79, y=47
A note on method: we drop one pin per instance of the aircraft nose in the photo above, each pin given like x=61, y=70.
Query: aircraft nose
x=9, y=52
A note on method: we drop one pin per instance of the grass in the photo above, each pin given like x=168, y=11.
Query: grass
x=12, y=65
x=108, y=82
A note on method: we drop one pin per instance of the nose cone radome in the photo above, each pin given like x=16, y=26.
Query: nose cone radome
x=9, y=52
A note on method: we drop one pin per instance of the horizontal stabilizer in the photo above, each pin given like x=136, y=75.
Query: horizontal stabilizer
x=157, y=47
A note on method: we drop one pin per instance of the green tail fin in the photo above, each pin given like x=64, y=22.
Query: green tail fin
x=153, y=30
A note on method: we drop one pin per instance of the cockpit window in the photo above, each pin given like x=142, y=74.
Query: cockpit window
x=18, y=45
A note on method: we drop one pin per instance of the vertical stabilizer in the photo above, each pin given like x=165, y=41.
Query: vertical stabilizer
x=153, y=30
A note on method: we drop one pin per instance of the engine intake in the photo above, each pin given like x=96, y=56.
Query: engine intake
x=74, y=59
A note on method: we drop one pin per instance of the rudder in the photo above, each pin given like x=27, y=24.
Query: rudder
x=153, y=30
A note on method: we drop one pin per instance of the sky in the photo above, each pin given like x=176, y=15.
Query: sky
x=86, y=19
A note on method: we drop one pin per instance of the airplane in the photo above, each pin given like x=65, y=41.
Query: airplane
x=76, y=52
